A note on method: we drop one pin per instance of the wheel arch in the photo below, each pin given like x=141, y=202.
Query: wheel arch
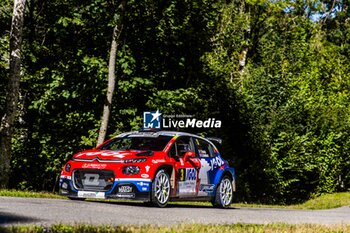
x=226, y=172
x=167, y=167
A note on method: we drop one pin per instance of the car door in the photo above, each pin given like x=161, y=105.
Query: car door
x=210, y=165
x=187, y=170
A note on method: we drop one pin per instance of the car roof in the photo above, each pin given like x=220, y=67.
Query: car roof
x=156, y=133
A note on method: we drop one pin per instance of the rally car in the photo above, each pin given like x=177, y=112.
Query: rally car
x=154, y=167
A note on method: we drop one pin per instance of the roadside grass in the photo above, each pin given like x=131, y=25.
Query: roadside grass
x=326, y=201
x=188, y=228
x=32, y=194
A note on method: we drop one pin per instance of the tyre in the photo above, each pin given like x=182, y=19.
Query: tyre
x=161, y=189
x=224, y=193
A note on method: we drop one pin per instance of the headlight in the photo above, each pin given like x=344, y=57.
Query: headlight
x=67, y=167
x=131, y=170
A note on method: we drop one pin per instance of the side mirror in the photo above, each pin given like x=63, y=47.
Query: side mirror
x=188, y=155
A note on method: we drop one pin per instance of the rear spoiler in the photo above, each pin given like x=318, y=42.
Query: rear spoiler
x=215, y=140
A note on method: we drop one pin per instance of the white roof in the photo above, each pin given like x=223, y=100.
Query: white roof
x=151, y=133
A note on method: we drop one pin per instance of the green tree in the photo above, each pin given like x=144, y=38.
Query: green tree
x=8, y=120
x=290, y=97
x=118, y=28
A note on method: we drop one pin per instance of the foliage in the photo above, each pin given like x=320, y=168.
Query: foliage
x=284, y=106
x=292, y=95
x=5, y=27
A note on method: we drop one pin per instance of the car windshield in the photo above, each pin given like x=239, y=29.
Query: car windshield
x=137, y=143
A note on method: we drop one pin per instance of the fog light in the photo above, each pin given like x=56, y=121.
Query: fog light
x=67, y=167
x=131, y=170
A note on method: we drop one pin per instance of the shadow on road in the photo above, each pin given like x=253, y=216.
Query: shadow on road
x=175, y=205
x=6, y=218
x=148, y=205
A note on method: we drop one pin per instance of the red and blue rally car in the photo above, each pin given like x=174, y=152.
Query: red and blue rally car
x=152, y=167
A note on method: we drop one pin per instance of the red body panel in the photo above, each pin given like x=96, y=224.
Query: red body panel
x=115, y=161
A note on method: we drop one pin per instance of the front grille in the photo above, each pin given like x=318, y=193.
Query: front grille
x=93, y=180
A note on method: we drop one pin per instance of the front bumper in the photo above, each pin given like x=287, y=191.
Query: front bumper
x=124, y=189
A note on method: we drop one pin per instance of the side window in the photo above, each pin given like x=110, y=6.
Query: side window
x=172, y=151
x=205, y=150
x=181, y=146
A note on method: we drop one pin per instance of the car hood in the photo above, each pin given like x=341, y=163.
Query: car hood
x=111, y=155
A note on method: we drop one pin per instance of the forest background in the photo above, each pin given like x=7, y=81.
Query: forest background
x=277, y=73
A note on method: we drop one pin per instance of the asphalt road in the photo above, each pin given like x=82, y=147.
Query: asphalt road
x=50, y=211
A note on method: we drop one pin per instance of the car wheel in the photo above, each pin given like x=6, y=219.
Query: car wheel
x=224, y=193
x=161, y=189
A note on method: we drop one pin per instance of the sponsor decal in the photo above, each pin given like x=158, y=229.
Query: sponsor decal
x=187, y=187
x=125, y=189
x=158, y=161
x=207, y=188
x=135, y=160
x=191, y=174
x=145, y=184
x=126, y=195
x=144, y=175
x=94, y=165
x=155, y=120
x=66, y=177
x=209, y=164
x=216, y=162
x=132, y=179
x=187, y=174
x=181, y=161
x=147, y=168
x=87, y=194
x=203, y=172
x=203, y=153
x=187, y=180
x=109, y=153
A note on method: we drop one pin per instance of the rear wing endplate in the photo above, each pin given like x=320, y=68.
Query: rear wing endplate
x=215, y=140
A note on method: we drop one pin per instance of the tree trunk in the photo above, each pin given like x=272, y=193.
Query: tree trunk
x=111, y=76
x=242, y=60
x=8, y=120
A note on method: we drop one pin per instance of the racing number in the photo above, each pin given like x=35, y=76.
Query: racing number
x=182, y=175
x=91, y=179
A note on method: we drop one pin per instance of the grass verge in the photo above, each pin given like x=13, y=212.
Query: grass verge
x=17, y=193
x=234, y=228
x=325, y=201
